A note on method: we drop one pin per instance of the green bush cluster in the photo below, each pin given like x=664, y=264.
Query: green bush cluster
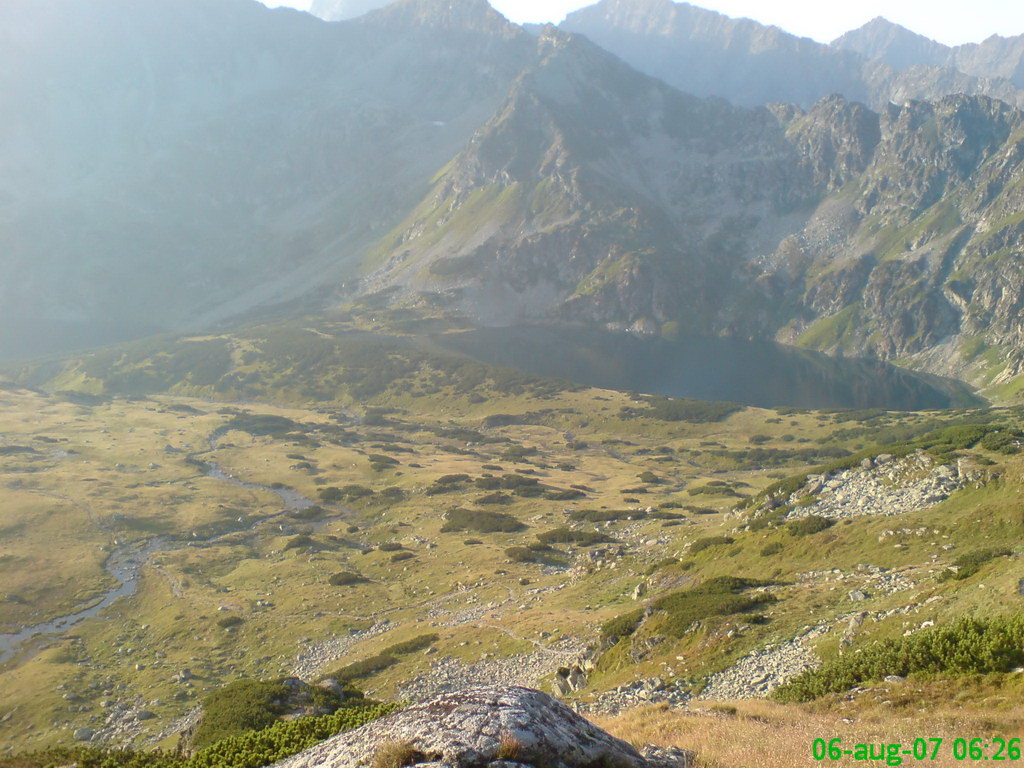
x=307, y=542
x=238, y=707
x=806, y=526
x=624, y=625
x=534, y=553
x=970, y=563
x=720, y=596
x=387, y=657
x=571, y=536
x=710, y=541
x=345, y=493
x=522, y=555
x=673, y=614
x=478, y=521
x=606, y=515
x=1006, y=441
x=967, y=646
x=713, y=489
x=761, y=458
x=281, y=740
x=681, y=409
x=496, y=497
x=565, y=494
x=262, y=425
x=345, y=579
x=774, y=548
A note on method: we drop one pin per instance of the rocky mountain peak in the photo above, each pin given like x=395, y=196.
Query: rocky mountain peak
x=647, y=17
x=341, y=10
x=475, y=15
x=894, y=44
x=637, y=9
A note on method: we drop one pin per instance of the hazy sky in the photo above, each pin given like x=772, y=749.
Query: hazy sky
x=949, y=21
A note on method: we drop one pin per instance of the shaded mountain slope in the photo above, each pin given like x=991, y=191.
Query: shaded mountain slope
x=198, y=158
x=597, y=192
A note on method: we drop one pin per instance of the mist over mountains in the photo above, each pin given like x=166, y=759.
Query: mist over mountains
x=649, y=166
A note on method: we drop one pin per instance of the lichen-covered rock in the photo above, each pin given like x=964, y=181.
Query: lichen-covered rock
x=483, y=727
x=668, y=757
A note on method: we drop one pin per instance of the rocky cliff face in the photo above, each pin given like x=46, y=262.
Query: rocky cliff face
x=630, y=205
x=915, y=245
x=598, y=193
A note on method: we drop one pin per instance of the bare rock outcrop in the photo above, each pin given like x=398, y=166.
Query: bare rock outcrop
x=487, y=727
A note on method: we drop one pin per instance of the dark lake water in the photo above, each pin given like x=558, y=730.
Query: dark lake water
x=755, y=373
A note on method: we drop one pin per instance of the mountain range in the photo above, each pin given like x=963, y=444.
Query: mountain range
x=647, y=166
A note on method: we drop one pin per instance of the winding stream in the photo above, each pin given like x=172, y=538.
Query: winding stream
x=125, y=563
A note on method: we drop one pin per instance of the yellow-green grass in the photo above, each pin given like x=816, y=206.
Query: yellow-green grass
x=284, y=596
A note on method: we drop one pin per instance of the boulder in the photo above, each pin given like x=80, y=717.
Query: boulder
x=474, y=728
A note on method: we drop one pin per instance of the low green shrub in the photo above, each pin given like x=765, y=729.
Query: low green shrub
x=806, y=526
x=418, y=643
x=238, y=707
x=522, y=555
x=495, y=498
x=680, y=409
x=713, y=490
x=1006, y=441
x=710, y=541
x=624, y=625
x=345, y=579
x=478, y=521
x=970, y=563
x=967, y=646
x=357, y=670
x=567, y=494
x=774, y=548
x=253, y=749
x=571, y=536
x=720, y=596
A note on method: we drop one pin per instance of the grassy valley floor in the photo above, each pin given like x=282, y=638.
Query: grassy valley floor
x=527, y=532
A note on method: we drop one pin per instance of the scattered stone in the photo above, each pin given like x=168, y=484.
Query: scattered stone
x=761, y=672
x=668, y=757
x=883, y=487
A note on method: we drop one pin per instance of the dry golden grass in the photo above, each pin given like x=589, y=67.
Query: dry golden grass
x=509, y=747
x=768, y=735
x=396, y=754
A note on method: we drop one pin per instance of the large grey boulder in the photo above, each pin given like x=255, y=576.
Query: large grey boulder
x=487, y=727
